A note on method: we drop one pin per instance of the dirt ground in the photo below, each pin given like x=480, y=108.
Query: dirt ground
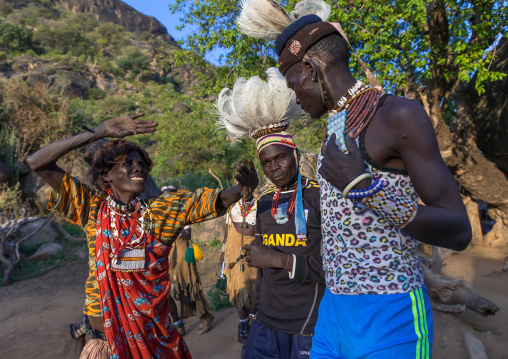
x=35, y=314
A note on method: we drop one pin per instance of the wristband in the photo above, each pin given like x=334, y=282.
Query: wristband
x=91, y=131
x=354, y=182
x=398, y=210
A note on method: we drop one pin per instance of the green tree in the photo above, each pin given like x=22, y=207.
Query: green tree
x=422, y=49
x=14, y=38
x=135, y=61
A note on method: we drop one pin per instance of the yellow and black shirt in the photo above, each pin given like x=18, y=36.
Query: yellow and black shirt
x=283, y=304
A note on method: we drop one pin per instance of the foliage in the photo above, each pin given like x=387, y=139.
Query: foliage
x=241, y=56
x=95, y=94
x=135, y=61
x=14, y=38
x=215, y=243
x=10, y=198
x=393, y=37
x=64, y=40
x=73, y=229
x=30, y=118
x=218, y=296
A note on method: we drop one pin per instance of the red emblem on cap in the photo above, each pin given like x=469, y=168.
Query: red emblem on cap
x=295, y=47
x=313, y=31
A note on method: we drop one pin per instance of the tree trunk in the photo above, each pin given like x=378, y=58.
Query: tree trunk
x=454, y=291
x=498, y=236
x=474, y=217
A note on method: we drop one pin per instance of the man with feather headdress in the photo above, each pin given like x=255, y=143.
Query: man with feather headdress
x=290, y=280
x=379, y=155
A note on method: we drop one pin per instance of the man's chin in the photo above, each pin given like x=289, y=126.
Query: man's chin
x=316, y=116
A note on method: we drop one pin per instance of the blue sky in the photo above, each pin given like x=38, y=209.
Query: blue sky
x=159, y=9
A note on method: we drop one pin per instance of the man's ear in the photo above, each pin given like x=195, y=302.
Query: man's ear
x=310, y=70
x=106, y=177
x=298, y=157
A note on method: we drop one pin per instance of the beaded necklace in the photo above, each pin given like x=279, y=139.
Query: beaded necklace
x=278, y=213
x=118, y=216
x=244, y=209
x=353, y=114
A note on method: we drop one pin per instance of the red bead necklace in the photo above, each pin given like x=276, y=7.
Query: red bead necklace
x=275, y=203
x=360, y=113
x=244, y=212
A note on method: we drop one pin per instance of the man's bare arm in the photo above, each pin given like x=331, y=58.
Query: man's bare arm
x=443, y=220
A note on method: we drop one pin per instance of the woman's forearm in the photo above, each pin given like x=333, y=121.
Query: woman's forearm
x=230, y=196
x=49, y=155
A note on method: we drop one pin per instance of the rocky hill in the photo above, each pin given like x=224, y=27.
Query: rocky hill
x=114, y=11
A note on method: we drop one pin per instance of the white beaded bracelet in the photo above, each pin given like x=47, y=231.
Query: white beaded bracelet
x=354, y=182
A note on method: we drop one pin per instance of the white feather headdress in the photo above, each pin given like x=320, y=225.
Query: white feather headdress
x=267, y=19
x=255, y=105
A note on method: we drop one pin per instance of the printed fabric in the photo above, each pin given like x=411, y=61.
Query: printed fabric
x=364, y=253
x=135, y=307
x=167, y=215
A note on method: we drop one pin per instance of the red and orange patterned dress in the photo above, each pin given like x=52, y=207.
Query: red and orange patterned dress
x=134, y=304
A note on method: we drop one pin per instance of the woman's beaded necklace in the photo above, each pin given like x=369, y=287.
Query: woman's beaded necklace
x=352, y=113
x=244, y=209
x=283, y=213
x=128, y=214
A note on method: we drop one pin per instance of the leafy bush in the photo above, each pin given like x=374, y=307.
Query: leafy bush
x=64, y=40
x=95, y=94
x=14, y=38
x=218, y=296
x=31, y=118
x=10, y=198
x=135, y=61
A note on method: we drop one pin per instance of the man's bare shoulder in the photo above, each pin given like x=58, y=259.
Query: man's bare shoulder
x=401, y=113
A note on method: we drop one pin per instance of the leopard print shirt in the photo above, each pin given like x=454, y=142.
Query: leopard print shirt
x=363, y=253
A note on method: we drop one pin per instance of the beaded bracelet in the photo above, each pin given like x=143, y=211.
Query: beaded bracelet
x=354, y=182
x=92, y=131
x=375, y=187
x=351, y=179
x=398, y=210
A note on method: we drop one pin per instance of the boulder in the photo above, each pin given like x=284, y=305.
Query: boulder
x=180, y=106
x=34, y=78
x=71, y=84
x=209, y=230
x=106, y=85
x=120, y=13
x=46, y=234
x=46, y=251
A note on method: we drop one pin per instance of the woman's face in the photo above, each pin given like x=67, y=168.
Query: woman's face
x=127, y=179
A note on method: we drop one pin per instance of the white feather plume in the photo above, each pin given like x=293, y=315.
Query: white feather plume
x=308, y=7
x=254, y=104
x=262, y=19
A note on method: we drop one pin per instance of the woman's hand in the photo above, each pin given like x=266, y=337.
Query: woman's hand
x=120, y=127
x=247, y=178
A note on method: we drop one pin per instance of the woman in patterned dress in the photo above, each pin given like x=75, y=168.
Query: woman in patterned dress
x=129, y=239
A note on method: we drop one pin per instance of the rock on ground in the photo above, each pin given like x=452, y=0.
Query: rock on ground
x=46, y=251
x=46, y=234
